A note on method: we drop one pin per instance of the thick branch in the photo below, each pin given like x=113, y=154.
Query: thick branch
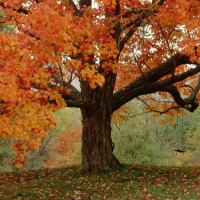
x=161, y=2
x=190, y=100
x=166, y=67
x=167, y=82
x=138, y=12
x=74, y=6
x=75, y=104
x=151, y=83
x=85, y=3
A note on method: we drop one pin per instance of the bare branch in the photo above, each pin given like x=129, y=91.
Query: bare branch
x=187, y=86
x=167, y=82
x=136, y=24
x=75, y=94
x=159, y=111
x=139, y=114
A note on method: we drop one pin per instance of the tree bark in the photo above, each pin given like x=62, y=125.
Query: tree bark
x=97, y=146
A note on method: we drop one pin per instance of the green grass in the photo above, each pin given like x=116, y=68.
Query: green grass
x=127, y=183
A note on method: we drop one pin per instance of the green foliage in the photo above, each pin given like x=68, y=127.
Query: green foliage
x=66, y=119
x=141, y=140
x=2, y=15
x=186, y=132
x=6, y=155
x=4, y=27
x=146, y=140
x=136, y=142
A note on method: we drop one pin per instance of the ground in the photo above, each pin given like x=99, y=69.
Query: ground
x=131, y=182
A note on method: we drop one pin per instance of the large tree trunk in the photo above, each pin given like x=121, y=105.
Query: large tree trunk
x=97, y=146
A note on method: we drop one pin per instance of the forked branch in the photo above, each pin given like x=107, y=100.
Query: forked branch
x=189, y=102
x=74, y=94
x=152, y=82
x=142, y=15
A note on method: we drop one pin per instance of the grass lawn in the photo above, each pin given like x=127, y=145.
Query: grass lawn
x=127, y=183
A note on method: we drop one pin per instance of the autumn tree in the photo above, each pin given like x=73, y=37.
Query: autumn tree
x=117, y=50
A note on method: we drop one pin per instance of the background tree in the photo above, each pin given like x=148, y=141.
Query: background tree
x=61, y=146
x=6, y=155
x=118, y=50
x=146, y=140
